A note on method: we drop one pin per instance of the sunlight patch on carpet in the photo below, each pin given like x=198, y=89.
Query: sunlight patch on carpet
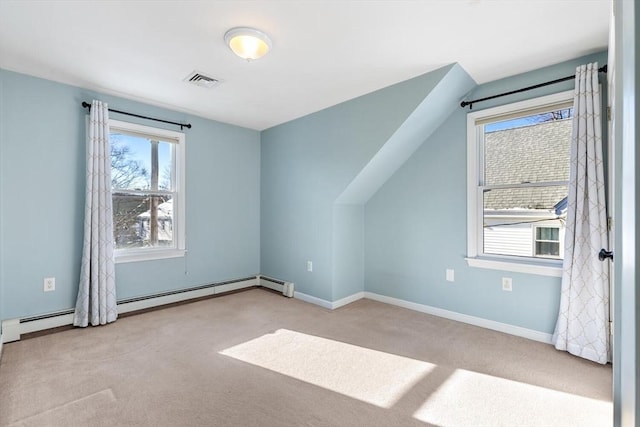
x=371, y=376
x=471, y=398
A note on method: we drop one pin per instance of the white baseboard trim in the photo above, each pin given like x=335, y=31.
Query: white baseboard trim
x=328, y=304
x=13, y=328
x=347, y=300
x=464, y=318
x=313, y=300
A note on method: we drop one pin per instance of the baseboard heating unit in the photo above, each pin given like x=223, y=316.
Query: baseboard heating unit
x=13, y=328
x=287, y=288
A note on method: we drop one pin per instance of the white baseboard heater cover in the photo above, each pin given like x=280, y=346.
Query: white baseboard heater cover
x=287, y=288
x=13, y=328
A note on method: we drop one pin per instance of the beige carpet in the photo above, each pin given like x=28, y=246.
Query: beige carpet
x=256, y=358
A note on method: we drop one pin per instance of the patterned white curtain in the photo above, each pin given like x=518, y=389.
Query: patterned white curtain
x=583, y=320
x=96, y=302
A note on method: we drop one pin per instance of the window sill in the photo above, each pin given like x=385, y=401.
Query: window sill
x=148, y=255
x=543, y=268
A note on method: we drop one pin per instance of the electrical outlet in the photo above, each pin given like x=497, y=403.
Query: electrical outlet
x=507, y=284
x=309, y=266
x=49, y=284
x=449, y=275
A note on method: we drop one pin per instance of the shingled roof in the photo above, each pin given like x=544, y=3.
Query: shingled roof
x=534, y=153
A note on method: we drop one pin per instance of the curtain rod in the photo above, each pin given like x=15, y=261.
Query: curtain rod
x=463, y=104
x=182, y=125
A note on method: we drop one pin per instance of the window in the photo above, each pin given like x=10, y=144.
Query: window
x=547, y=242
x=518, y=165
x=147, y=185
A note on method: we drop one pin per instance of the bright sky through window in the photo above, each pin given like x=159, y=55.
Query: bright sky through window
x=140, y=152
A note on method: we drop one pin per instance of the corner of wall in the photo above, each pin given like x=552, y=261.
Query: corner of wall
x=440, y=100
x=348, y=250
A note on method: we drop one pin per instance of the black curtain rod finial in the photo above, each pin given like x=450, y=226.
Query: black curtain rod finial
x=465, y=103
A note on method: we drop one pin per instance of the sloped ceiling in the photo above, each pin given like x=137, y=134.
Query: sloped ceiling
x=324, y=52
x=437, y=105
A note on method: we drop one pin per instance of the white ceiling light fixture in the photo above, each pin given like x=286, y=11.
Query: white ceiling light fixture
x=248, y=43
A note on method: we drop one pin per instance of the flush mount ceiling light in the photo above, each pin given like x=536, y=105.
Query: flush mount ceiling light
x=247, y=43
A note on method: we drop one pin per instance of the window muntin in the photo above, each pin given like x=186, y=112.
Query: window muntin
x=147, y=192
x=518, y=182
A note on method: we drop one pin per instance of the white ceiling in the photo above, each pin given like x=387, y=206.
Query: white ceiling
x=324, y=52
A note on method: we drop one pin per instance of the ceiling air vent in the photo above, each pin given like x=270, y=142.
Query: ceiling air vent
x=200, y=79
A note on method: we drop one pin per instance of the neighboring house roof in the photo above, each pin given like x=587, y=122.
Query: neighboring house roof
x=165, y=211
x=535, y=153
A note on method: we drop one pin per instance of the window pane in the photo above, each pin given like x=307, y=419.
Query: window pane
x=142, y=221
x=510, y=216
x=139, y=163
x=548, y=249
x=547, y=233
x=528, y=149
x=130, y=162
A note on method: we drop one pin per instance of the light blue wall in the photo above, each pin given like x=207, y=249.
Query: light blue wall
x=269, y=209
x=415, y=226
x=42, y=192
x=348, y=250
x=307, y=163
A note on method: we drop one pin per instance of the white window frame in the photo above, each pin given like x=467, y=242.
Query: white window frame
x=475, y=255
x=535, y=240
x=179, y=232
